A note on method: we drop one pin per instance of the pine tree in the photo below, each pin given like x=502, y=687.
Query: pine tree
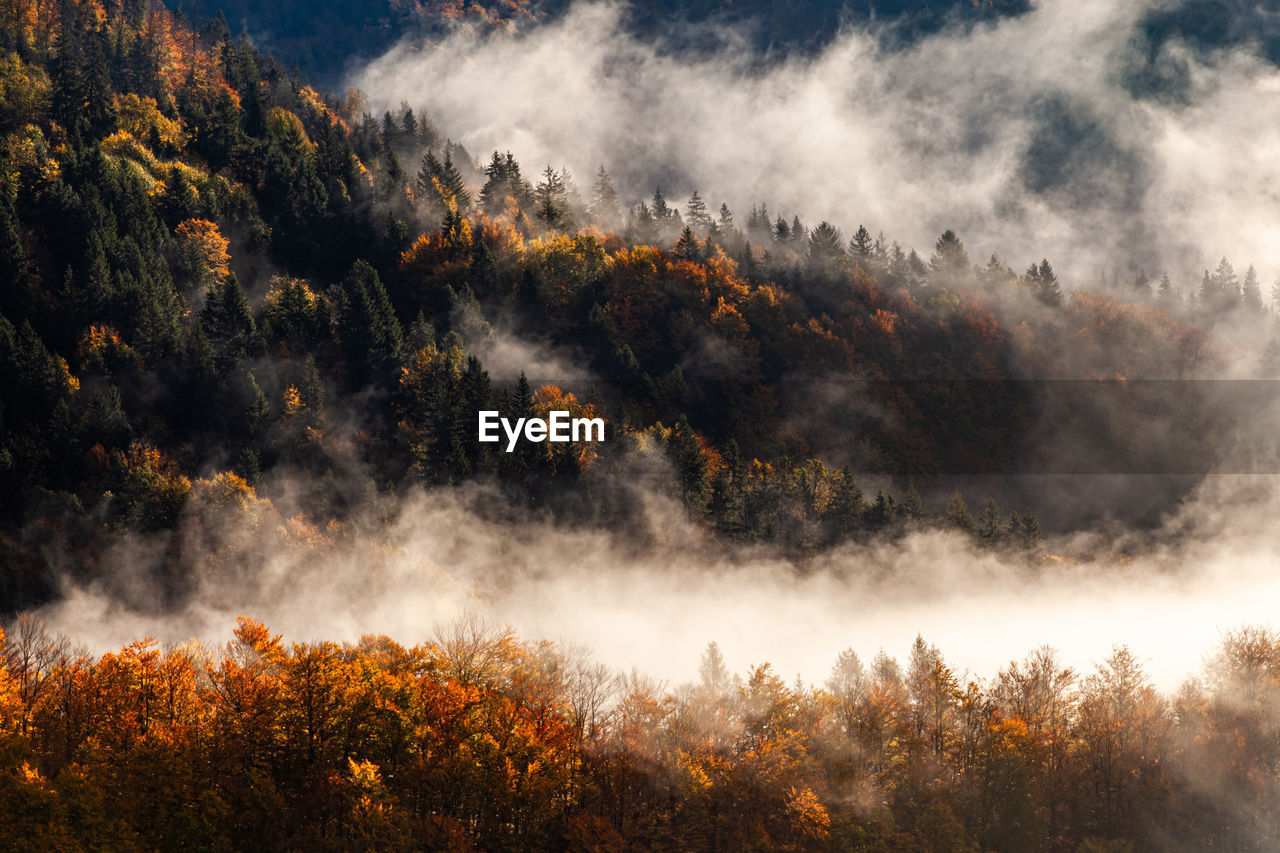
x=1044, y=283
x=369, y=328
x=1142, y=284
x=454, y=185
x=691, y=465
x=861, y=244
x=1166, y=294
x=1226, y=285
x=552, y=200
x=913, y=504
x=228, y=323
x=661, y=211
x=687, y=247
x=826, y=247
x=847, y=506
x=990, y=524
x=949, y=264
x=604, y=201
x=1251, y=291
x=696, y=215
x=957, y=515
x=712, y=670
x=726, y=221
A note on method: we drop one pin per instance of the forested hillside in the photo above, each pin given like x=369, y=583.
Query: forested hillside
x=220, y=282
x=236, y=309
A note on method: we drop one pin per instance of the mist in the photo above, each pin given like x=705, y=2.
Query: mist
x=654, y=605
x=1025, y=135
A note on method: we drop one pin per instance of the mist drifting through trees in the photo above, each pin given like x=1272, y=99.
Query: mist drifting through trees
x=937, y=355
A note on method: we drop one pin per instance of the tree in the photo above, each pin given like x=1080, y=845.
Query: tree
x=696, y=215
x=1251, y=291
x=370, y=330
x=949, y=265
x=552, y=200
x=691, y=465
x=861, y=244
x=687, y=247
x=1044, y=283
x=725, y=224
x=604, y=201
x=826, y=247
x=228, y=322
x=1142, y=284
x=990, y=525
x=712, y=669
x=957, y=515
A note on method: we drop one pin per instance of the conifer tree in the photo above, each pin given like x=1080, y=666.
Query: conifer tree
x=990, y=524
x=604, y=201
x=957, y=515
x=552, y=200
x=696, y=215
x=860, y=244
x=687, y=247
x=1251, y=291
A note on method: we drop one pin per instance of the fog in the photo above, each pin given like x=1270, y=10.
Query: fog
x=655, y=605
x=1023, y=135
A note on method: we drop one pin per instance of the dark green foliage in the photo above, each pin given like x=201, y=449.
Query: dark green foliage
x=369, y=330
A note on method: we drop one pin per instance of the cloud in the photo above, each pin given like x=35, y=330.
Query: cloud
x=1023, y=135
x=655, y=602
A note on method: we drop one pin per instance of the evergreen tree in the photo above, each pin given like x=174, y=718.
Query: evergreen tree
x=957, y=515
x=913, y=504
x=604, y=201
x=949, y=266
x=990, y=525
x=552, y=200
x=1044, y=283
x=696, y=215
x=1142, y=284
x=691, y=466
x=826, y=247
x=228, y=323
x=1251, y=291
x=847, y=506
x=860, y=244
x=369, y=329
x=454, y=185
x=687, y=247
x=661, y=211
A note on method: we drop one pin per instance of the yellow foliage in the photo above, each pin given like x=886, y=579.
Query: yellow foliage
x=299, y=532
x=122, y=146
x=141, y=118
x=101, y=347
x=807, y=813
x=292, y=401
x=24, y=91
x=29, y=153
x=287, y=127
x=203, y=249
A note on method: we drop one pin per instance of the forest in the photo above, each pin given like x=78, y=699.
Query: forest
x=239, y=312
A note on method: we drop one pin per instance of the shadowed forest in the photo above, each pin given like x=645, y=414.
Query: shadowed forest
x=245, y=319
